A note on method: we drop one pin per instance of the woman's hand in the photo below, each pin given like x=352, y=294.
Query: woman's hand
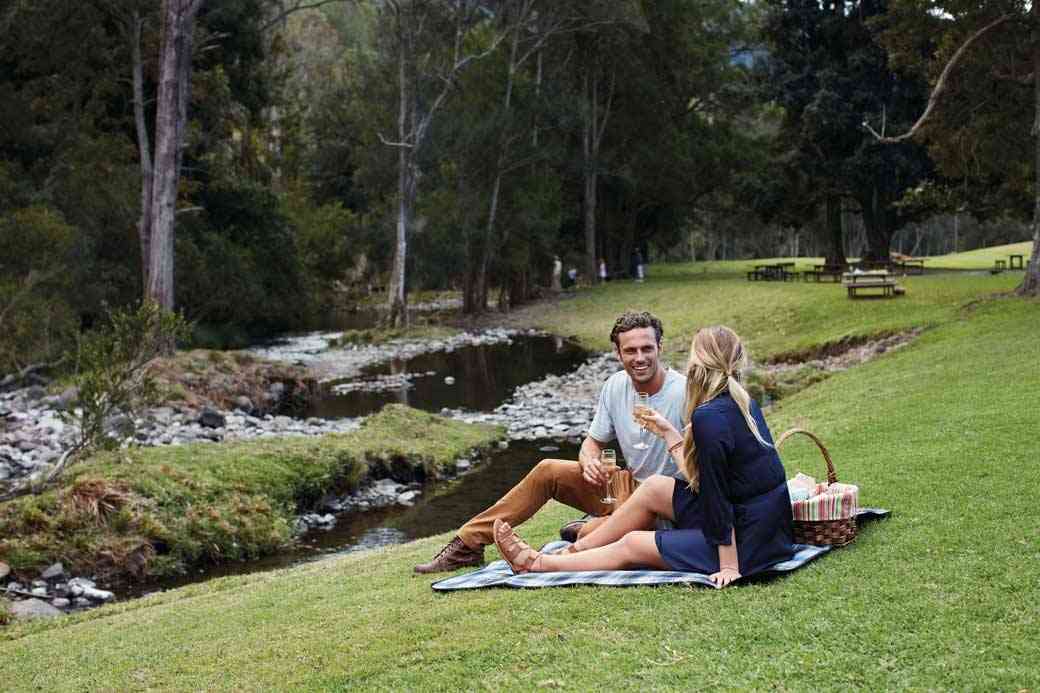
x=653, y=421
x=724, y=577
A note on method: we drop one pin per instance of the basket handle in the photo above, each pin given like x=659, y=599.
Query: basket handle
x=832, y=476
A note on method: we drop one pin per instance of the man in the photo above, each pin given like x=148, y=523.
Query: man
x=637, y=344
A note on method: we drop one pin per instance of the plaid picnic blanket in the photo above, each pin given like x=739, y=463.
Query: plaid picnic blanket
x=499, y=574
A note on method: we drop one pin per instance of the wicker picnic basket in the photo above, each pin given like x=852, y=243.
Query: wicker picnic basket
x=836, y=532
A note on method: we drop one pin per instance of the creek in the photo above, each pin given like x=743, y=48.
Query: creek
x=444, y=508
x=474, y=378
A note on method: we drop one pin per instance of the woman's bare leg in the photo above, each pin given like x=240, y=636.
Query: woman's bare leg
x=633, y=550
x=653, y=498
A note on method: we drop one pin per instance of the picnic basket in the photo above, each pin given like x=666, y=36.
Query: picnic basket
x=827, y=532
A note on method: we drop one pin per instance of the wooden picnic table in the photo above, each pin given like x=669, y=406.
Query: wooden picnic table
x=856, y=283
x=774, y=271
x=822, y=271
x=911, y=265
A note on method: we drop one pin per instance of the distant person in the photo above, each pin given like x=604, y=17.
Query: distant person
x=636, y=265
x=557, y=271
x=581, y=485
x=733, y=509
x=603, y=270
x=572, y=277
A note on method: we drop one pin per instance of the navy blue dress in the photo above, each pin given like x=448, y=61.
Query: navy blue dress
x=742, y=486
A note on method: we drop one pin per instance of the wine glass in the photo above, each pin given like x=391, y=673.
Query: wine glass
x=639, y=409
x=608, y=463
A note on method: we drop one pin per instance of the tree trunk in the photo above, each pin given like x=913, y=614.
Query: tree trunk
x=144, y=146
x=397, y=308
x=589, y=151
x=876, y=225
x=178, y=24
x=1030, y=285
x=835, y=244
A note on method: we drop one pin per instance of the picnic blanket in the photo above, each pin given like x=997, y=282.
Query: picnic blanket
x=499, y=574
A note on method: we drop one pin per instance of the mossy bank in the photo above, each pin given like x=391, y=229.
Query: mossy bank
x=155, y=511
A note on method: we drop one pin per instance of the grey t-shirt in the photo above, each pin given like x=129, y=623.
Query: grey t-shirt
x=613, y=420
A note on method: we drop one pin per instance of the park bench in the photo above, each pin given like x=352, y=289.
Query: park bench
x=1016, y=262
x=998, y=266
x=820, y=273
x=875, y=283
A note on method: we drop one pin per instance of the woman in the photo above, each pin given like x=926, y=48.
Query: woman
x=733, y=516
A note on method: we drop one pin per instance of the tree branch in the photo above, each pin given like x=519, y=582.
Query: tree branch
x=393, y=144
x=940, y=85
x=298, y=7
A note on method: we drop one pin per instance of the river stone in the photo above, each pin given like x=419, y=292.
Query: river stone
x=33, y=608
x=211, y=418
x=34, y=393
x=5, y=570
x=244, y=403
x=120, y=425
x=97, y=595
x=54, y=572
x=39, y=591
x=60, y=603
x=66, y=398
x=407, y=498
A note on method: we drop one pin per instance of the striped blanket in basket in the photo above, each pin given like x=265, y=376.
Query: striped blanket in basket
x=827, y=502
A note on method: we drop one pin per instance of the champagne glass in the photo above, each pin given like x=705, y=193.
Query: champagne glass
x=640, y=408
x=608, y=463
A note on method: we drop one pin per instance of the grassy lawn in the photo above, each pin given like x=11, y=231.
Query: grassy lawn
x=942, y=595
x=773, y=317
x=160, y=510
x=981, y=259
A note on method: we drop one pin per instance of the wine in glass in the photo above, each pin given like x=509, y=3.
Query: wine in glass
x=608, y=463
x=639, y=409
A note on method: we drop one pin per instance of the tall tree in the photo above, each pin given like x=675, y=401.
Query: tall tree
x=420, y=62
x=175, y=54
x=827, y=70
x=983, y=60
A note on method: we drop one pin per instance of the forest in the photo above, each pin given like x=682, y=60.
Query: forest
x=254, y=164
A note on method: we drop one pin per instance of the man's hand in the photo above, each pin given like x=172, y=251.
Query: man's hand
x=591, y=472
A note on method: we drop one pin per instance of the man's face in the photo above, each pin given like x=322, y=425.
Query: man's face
x=639, y=353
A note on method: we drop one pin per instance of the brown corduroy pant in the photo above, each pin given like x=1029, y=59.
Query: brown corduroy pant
x=559, y=480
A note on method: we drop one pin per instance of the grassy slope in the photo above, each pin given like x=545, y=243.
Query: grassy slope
x=982, y=258
x=772, y=316
x=942, y=595
x=208, y=502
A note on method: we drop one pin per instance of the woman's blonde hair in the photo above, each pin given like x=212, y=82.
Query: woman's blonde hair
x=716, y=359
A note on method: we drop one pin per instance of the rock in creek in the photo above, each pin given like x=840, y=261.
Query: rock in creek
x=54, y=572
x=34, y=608
x=211, y=418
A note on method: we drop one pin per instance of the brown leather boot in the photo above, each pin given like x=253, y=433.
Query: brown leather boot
x=453, y=556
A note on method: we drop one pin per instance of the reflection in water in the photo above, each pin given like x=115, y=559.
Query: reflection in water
x=484, y=377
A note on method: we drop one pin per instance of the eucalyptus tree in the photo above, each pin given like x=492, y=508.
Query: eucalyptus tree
x=433, y=42
x=983, y=60
x=826, y=71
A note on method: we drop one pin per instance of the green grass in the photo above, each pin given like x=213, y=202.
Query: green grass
x=981, y=259
x=161, y=510
x=942, y=595
x=773, y=317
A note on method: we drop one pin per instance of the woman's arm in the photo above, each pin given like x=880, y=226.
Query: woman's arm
x=729, y=563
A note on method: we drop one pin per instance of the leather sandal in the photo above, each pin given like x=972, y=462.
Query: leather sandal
x=516, y=552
